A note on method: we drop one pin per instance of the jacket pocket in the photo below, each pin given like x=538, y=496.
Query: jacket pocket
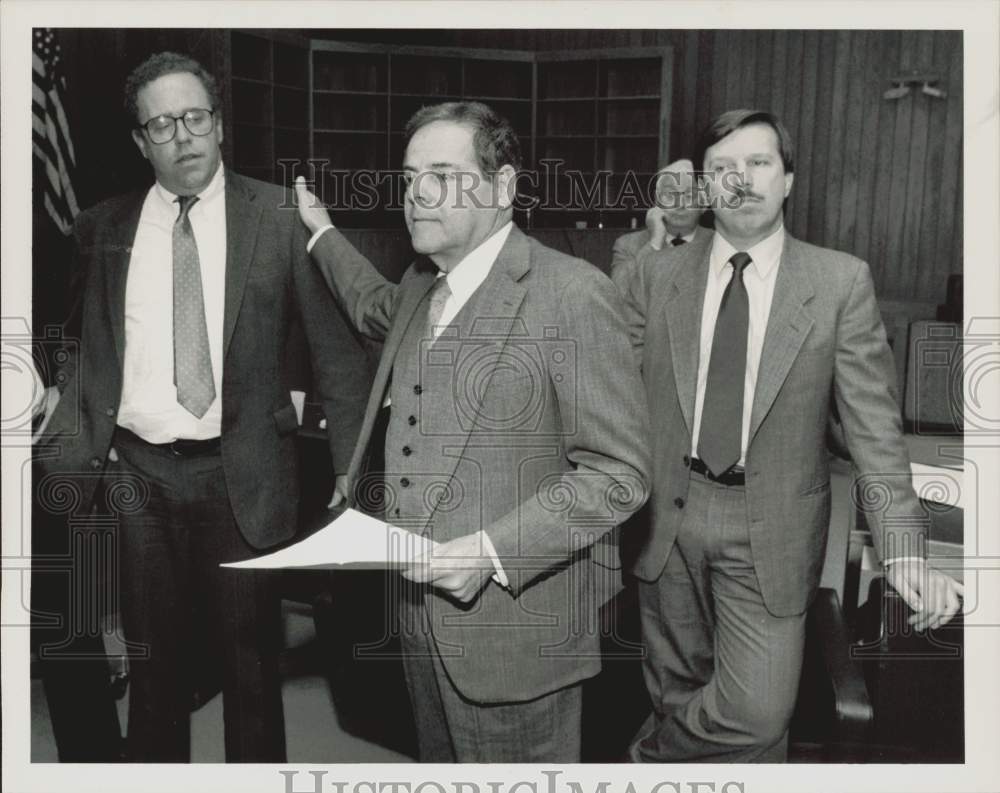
x=822, y=487
x=286, y=419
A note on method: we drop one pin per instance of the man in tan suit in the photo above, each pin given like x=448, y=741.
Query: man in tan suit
x=515, y=438
x=748, y=342
x=671, y=223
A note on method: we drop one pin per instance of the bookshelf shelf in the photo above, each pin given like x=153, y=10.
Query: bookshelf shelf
x=346, y=104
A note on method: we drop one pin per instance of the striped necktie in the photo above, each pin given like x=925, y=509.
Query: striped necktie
x=439, y=295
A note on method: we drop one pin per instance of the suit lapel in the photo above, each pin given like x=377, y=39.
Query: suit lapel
x=496, y=303
x=418, y=285
x=243, y=213
x=494, y=309
x=787, y=327
x=117, y=254
x=683, y=308
x=413, y=288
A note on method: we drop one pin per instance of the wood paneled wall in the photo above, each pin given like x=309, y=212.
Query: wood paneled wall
x=878, y=178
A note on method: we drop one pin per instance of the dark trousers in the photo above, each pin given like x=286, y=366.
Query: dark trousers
x=453, y=729
x=193, y=617
x=722, y=671
x=67, y=632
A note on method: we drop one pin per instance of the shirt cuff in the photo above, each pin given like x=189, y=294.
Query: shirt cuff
x=499, y=576
x=316, y=236
x=895, y=559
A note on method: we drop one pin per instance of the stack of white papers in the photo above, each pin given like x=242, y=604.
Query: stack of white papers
x=352, y=540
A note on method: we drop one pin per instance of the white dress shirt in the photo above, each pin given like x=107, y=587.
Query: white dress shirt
x=149, y=405
x=759, y=277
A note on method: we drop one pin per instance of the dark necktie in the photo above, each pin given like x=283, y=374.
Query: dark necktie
x=677, y=241
x=192, y=362
x=439, y=293
x=720, y=437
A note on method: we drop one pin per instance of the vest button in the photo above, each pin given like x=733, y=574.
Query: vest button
x=679, y=502
x=110, y=412
x=418, y=390
x=407, y=451
x=411, y=420
x=404, y=482
x=687, y=461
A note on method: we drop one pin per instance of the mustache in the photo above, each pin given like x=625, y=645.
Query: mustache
x=746, y=194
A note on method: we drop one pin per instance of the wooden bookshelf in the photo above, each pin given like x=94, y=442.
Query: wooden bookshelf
x=606, y=114
x=601, y=113
x=269, y=103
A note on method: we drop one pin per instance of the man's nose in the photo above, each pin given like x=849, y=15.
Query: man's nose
x=420, y=190
x=181, y=133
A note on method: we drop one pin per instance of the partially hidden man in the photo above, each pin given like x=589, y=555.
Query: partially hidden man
x=671, y=223
x=189, y=289
x=516, y=438
x=749, y=340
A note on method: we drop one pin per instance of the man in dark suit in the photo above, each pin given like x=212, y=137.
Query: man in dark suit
x=182, y=408
x=672, y=222
x=748, y=342
x=515, y=438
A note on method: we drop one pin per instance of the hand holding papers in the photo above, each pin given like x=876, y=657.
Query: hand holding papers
x=352, y=540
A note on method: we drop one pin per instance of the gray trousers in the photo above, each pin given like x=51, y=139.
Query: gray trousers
x=722, y=671
x=453, y=729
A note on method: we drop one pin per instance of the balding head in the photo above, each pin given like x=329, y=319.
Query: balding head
x=676, y=195
x=679, y=171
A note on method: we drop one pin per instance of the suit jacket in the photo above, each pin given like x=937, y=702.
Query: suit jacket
x=538, y=424
x=825, y=348
x=269, y=284
x=628, y=248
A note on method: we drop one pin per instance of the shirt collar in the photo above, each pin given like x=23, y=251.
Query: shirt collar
x=469, y=273
x=214, y=188
x=765, y=255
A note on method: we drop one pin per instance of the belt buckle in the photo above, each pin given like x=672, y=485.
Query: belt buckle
x=174, y=449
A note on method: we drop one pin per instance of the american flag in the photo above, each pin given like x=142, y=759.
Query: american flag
x=50, y=132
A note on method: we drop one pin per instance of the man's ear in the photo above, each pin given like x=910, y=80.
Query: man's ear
x=506, y=182
x=140, y=141
x=217, y=119
x=789, y=178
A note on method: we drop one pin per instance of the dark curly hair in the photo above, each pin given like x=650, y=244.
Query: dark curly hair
x=160, y=64
x=495, y=141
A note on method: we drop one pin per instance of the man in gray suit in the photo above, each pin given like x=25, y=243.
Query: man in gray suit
x=748, y=342
x=673, y=220
x=515, y=438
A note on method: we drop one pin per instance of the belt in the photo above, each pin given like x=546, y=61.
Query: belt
x=729, y=478
x=182, y=447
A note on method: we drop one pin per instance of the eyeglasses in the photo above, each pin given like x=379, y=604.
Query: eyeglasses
x=161, y=129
